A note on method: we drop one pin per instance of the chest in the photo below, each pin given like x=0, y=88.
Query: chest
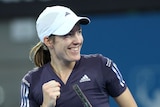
x=89, y=86
x=90, y=82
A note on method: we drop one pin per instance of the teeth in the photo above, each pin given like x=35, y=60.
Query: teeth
x=75, y=49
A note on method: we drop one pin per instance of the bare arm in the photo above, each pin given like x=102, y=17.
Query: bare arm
x=126, y=99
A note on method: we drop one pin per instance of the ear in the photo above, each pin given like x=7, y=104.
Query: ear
x=48, y=42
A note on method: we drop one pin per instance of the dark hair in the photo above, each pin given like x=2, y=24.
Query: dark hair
x=40, y=54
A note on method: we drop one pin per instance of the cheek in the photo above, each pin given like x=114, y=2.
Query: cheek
x=82, y=39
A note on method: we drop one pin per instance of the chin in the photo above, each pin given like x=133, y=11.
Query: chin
x=76, y=58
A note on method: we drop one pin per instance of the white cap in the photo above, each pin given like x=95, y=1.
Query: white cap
x=57, y=20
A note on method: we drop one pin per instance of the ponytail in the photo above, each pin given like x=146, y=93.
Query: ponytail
x=39, y=54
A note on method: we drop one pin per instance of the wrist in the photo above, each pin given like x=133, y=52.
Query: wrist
x=44, y=105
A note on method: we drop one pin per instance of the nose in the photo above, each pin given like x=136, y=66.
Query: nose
x=78, y=38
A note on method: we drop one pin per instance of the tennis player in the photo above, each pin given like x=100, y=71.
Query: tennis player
x=60, y=65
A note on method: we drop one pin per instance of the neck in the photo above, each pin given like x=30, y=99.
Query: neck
x=62, y=67
x=63, y=70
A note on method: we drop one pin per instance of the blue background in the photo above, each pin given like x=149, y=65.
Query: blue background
x=132, y=41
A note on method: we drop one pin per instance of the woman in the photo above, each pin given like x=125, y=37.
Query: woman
x=60, y=66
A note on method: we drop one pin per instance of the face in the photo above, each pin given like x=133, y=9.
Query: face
x=68, y=47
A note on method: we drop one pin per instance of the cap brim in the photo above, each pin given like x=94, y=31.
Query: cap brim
x=84, y=20
x=69, y=24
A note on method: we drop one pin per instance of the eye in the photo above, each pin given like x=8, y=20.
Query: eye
x=68, y=35
x=72, y=33
x=80, y=30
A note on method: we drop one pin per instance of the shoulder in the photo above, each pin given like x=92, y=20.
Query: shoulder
x=29, y=75
x=93, y=57
x=33, y=74
x=97, y=58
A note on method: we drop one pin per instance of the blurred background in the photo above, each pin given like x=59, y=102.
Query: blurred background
x=127, y=31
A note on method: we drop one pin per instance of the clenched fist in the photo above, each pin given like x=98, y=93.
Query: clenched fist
x=51, y=91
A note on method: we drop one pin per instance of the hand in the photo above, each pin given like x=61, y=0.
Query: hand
x=51, y=91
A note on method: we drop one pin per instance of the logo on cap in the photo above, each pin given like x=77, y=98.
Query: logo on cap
x=67, y=14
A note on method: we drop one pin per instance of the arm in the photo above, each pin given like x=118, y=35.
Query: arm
x=116, y=85
x=25, y=93
x=126, y=99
